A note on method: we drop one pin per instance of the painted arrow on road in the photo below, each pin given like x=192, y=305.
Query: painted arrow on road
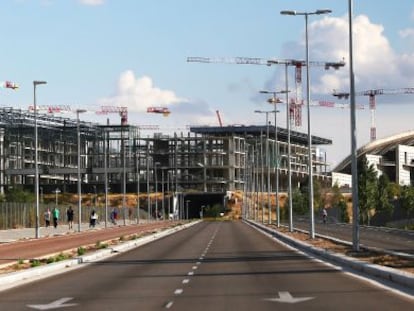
x=286, y=297
x=60, y=303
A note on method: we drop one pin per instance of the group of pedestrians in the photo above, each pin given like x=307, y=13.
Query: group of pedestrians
x=54, y=215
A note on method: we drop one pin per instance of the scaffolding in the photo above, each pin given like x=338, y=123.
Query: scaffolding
x=206, y=159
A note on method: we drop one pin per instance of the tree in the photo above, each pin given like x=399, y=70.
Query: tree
x=407, y=199
x=299, y=202
x=384, y=197
x=318, y=201
x=367, y=189
x=17, y=194
x=338, y=201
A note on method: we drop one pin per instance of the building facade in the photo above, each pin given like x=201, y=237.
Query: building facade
x=206, y=159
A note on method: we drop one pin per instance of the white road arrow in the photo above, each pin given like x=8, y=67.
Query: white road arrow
x=286, y=297
x=60, y=303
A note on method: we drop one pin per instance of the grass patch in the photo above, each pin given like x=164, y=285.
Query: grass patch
x=81, y=251
x=34, y=263
x=100, y=245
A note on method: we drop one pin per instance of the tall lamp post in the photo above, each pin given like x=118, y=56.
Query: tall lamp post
x=36, y=83
x=355, y=202
x=354, y=158
x=57, y=191
x=156, y=189
x=310, y=168
x=267, y=160
x=79, y=111
x=275, y=100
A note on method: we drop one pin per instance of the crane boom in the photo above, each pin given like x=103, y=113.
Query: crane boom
x=372, y=101
x=262, y=61
x=122, y=111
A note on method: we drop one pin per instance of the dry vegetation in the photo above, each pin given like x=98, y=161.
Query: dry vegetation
x=382, y=259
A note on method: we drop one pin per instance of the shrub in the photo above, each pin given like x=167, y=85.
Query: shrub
x=81, y=251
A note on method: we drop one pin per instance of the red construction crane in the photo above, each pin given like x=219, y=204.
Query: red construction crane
x=51, y=108
x=372, y=102
x=219, y=118
x=9, y=85
x=163, y=110
x=295, y=105
x=122, y=111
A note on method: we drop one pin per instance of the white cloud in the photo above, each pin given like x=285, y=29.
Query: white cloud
x=376, y=64
x=406, y=33
x=92, y=2
x=139, y=93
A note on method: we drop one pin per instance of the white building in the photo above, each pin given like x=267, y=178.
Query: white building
x=393, y=156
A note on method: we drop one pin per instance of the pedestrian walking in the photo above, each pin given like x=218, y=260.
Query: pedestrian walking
x=47, y=217
x=93, y=219
x=113, y=216
x=324, y=215
x=69, y=214
x=55, y=214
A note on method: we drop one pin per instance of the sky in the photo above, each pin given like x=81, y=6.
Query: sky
x=133, y=53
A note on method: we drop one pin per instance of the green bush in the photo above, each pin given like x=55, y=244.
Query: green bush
x=81, y=251
x=34, y=262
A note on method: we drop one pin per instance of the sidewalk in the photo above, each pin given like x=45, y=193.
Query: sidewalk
x=12, y=235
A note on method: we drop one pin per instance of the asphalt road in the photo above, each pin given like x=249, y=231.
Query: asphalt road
x=379, y=237
x=209, y=266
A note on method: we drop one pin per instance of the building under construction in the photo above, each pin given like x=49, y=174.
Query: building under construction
x=206, y=159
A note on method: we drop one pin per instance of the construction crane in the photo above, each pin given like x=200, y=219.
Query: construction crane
x=122, y=111
x=295, y=105
x=9, y=85
x=163, y=110
x=50, y=108
x=262, y=61
x=219, y=118
x=372, y=101
x=296, y=108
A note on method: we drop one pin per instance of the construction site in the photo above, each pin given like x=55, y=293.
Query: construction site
x=117, y=158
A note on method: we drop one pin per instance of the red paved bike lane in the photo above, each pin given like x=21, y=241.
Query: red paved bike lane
x=38, y=248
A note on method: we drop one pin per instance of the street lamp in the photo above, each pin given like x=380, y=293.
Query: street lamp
x=36, y=83
x=79, y=111
x=105, y=176
x=162, y=191
x=156, y=190
x=354, y=158
x=203, y=166
x=275, y=100
x=186, y=205
x=310, y=168
x=268, y=160
x=57, y=191
x=355, y=202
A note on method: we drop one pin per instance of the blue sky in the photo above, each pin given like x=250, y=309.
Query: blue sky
x=133, y=53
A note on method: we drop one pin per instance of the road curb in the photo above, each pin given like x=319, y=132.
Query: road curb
x=386, y=273
x=14, y=279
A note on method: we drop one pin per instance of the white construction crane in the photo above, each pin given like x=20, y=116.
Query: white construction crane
x=372, y=102
x=295, y=106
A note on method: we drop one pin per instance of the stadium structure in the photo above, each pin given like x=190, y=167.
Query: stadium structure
x=393, y=156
